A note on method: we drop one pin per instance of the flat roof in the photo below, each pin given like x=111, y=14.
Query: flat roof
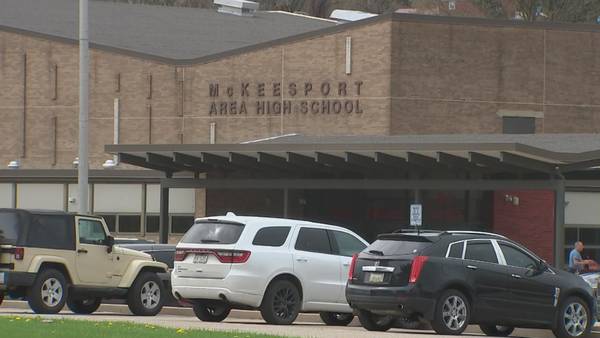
x=543, y=153
x=166, y=32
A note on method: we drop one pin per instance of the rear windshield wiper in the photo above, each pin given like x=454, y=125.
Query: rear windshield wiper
x=376, y=252
x=210, y=241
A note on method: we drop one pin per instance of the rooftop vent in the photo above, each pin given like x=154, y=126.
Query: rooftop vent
x=237, y=7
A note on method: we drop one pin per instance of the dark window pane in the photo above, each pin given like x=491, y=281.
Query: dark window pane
x=152, y=223
x=208, y=232
x=347, y=244
x=91, y=232
x=570, y=236
x=271, y=236
x=313, y=240
x=111, y=222
x=481, y=251
x=516, y=257
x=9, y=227
x=589, y=236
x=456, y=250
x=51, y=231
x=518, y=125
x=130, y=223
x=181, y=224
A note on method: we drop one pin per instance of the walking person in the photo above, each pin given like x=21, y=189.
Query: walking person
x=576, y=262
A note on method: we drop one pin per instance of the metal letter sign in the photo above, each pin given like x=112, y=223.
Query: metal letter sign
x=416, y=215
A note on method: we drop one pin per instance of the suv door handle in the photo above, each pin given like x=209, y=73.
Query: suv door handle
x=516, y=276
x=82, y=251
x=346, y=264
x=304, y=260
x=472, y=267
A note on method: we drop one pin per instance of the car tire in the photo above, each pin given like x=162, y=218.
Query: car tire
x=336, y=318
x=575, y=311
x=452, y=313
x=146, y=295
x=84, y=306
x=281, y=303
x=373, y=322
x=496, y=330
x=211, y=311
x=48, y=293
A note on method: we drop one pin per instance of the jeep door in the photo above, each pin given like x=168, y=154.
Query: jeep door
x=345, y=245
x=317, y=267
x=488, y=278
x=94, y=263
x=533, y=293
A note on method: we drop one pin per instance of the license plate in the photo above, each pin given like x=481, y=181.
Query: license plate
x=376, y=277
x=200, y=259
x=2, y=278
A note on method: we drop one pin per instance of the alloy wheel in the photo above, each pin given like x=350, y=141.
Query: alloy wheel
x=52, y=292
x=284, y=303
x=150, y=294
x=575, y=319
x=454, y=313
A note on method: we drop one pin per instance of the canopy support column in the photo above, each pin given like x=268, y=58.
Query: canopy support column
x=164, y=212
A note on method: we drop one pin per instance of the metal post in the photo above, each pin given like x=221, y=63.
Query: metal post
x=83, y=165
x=164, y=213
x=559, y=230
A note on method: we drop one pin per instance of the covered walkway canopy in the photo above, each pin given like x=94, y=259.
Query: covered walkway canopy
x=415, y=162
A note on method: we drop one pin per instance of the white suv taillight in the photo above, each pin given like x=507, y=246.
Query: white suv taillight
x=224, y=256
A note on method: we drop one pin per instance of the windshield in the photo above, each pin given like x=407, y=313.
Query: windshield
x=213, y=233
x=384, y=247
x=9, y=229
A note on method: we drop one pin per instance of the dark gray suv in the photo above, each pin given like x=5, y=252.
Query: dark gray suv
x=453, y=279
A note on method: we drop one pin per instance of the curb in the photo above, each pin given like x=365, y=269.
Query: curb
x=170, y=310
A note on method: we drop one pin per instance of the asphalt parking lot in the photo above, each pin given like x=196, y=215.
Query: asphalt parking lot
x=249, y=321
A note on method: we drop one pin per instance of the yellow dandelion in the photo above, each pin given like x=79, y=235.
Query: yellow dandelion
x=180, y=331
x=27, y=320
x=17, y=318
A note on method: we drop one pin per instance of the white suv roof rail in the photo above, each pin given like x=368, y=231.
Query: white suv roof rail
x=466, y=232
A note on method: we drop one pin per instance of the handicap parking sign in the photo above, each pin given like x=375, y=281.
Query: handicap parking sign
x=416, y=214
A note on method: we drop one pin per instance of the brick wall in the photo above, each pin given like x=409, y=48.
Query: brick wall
x=531, y=222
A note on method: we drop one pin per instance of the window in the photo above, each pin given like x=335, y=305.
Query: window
x=111, y=222
x=518, y=125
x=516, y=257
x=51, y=231
x=481, y=251
x=313, y=240
x=91, y=232
x=347, y=244
x=271, y=236
x=392, y=247
x=130, y=223
x=152, y=223
x=214, y=232
x=181, y=224
x=456, y=250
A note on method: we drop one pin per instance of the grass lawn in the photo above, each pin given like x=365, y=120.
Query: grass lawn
x=28, y=327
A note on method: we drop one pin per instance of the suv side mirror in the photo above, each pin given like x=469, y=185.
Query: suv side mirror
x=110, y=242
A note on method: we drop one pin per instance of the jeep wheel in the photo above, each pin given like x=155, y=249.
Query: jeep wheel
x=574, y=319
x=84, y=306
x=452, y=313
x=146, y=295
x=373, y=322
x=336, y=318
x=48, y=293
x=281, y=303
x=211, y=311
x=496, y=330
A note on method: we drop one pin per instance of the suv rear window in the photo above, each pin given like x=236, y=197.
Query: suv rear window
x=271, y=236
x=213, y=233
x=9, y=227
x=390, y=247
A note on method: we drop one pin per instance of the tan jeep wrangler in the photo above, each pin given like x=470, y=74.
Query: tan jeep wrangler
x=51, y=258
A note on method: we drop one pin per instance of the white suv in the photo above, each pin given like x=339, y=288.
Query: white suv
x=279, y=266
